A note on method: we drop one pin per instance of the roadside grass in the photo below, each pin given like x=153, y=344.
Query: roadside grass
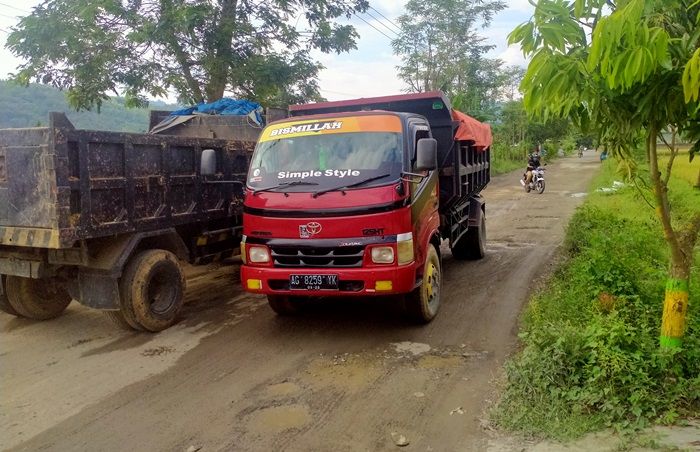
x=505, y=159
x=590, y=356
x=500, y=166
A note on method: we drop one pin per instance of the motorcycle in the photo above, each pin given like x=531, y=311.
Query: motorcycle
x=537, y=182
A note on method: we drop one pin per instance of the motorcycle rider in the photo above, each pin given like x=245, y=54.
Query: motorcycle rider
x=533, y=162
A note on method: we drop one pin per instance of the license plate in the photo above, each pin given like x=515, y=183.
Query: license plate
x=313, y=282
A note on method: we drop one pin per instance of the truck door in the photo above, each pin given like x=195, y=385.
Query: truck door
x=424, y=194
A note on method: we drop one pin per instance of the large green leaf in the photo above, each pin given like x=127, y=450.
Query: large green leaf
x=691, y=77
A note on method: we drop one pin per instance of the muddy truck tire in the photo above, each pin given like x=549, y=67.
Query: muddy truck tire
x=152, y=290
x=5, y=305
x=36, y=299
x=473, y=245
x=118, y=319
x=423, y=303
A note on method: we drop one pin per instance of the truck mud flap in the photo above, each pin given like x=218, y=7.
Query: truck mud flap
x=99, y=291
x=476, y=209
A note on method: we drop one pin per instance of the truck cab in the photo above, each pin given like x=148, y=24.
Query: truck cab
x=345, y=203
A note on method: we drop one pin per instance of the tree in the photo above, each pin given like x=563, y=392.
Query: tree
x=513, y=124
x=553, y=129
x=441, y=49
x=512, y=76
x=198, y=48
x=514, y=127
x=481, y=88
x=624, y=69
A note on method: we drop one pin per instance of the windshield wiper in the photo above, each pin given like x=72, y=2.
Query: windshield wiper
x=284, y=184
x=356, y=184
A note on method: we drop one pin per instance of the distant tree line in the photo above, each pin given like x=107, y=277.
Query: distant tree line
x=29, y=106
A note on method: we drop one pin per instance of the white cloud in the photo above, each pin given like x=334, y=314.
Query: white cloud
x=370, y=70
x=9, y=13
x=513, y=56
x=345, y=77
x=390, y=8
x=520, y=6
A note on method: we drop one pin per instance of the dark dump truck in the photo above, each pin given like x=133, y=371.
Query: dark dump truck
x=106, y=218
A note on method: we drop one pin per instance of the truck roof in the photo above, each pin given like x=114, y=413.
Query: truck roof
x=433, y=105
x=335, y=115
x=371, y=103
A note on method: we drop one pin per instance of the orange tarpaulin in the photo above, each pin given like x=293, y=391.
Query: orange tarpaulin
x=472, y=130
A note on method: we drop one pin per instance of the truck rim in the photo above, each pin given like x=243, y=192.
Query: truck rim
x=432, y=285
x=161, y=291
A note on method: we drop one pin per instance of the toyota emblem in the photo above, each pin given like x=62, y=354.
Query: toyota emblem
x=313, y=227
x=309, y=229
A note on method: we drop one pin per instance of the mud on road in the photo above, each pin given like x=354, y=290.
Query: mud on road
x=347, y=375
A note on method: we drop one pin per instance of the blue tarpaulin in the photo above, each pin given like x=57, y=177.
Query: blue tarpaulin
x=225, y=106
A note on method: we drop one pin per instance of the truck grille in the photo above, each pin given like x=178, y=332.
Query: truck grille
x=286, y=256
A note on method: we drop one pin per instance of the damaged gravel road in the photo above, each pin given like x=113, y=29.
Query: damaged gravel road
x=348, y=375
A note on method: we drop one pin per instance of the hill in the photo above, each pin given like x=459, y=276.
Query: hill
x=30, y=106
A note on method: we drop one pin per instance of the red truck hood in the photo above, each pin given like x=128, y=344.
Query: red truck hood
x=376, y=211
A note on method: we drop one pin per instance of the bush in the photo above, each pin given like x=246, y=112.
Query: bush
x=591, y=355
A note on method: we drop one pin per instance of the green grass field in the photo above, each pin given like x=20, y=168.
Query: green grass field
x=682, y=168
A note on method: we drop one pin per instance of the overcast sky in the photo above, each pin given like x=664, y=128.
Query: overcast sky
x=370, y=70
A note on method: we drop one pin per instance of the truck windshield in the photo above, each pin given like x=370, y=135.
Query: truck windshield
x=330, y=160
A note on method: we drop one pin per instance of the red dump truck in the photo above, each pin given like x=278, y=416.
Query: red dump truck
x=354, y=198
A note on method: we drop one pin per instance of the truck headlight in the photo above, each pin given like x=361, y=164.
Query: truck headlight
x=383, y=255
x=404, y=248
x=258, y=254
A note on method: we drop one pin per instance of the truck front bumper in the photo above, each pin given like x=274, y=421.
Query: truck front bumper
x=351, y=281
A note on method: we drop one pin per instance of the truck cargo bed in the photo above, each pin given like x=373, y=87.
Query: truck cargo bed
x=59, y=185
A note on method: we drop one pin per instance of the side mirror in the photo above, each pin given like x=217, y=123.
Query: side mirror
x=426, y=154
x=208, y=163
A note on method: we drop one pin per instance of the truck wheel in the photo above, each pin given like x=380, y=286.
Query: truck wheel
x=472, y=245
x=36, y=299
x=152, y=289
x=286, y=305
x=117, y=318
x=5, y=305
x=423, y=303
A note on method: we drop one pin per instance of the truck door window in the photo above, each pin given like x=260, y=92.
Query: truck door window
x=421, y=132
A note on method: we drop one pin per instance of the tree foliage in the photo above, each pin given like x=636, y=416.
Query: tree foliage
x=515, y=127
x=441, y=49
x=198, y=48
x=625, y=69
